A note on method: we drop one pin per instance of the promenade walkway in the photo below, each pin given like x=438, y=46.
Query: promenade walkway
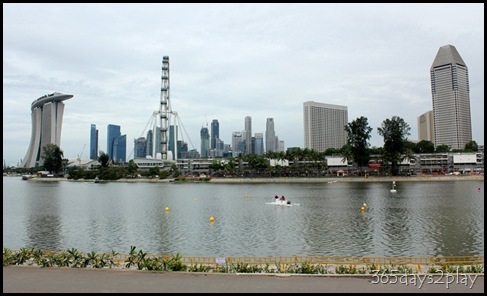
x=29, y=279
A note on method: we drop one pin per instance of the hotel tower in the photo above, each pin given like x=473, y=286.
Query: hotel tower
x=47, y=119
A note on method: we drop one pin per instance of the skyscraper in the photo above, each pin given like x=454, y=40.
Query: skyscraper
x=451, y=99
x=93, y=142
x=140, y=147
x=120, y=149
x=425, y=127
x=324, y=126
x=153, y=146
x=259, y=144
x=215, y=133
x=270, y=136
x=173, y=131
x=237, y=138
x=116, y=144
x=247, y=135
x=47, y=119
x=205, y=142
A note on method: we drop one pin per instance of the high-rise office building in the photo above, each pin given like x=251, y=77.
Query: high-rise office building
x=205, y=142
x=173, y=132
x=140, y=147
x=270, y=136
x=116, y=144
x=152, y=142
x=47, y=119
x=113, y=132
x=120, y=149
x=324, y=126
x=93, y=142
x=451, y=99
x=247, y=135
x=258, y=144
x=215, y=133
x=425, y=127
x=237, y=138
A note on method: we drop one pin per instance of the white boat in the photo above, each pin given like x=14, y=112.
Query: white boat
x=27, y=177
x=284, y=203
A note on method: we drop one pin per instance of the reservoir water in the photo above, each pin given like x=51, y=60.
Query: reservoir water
x=422, y=218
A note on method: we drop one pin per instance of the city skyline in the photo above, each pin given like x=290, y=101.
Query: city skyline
x=258, y=60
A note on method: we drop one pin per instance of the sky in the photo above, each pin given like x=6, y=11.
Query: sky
x=228, y=61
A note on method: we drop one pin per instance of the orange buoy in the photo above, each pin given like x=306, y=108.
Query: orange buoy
x=212, y=219
x=362, y=209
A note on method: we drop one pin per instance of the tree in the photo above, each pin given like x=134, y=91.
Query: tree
x=132, y=168
x=358, y=132
x=53, y=158
x=471, y=147
x=395, y=132
x=442, y=148
x=103, y=159
x=425, y=146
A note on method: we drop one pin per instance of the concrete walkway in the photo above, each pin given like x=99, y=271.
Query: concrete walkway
x=28, y=279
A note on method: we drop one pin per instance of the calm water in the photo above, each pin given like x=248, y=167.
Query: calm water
x=422, y=218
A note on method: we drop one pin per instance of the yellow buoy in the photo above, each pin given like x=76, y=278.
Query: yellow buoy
x=212, y=219
x=167, y=209
x=364, y=205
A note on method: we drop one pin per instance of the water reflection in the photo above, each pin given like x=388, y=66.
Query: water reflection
x=43, y=222
x=421, y=218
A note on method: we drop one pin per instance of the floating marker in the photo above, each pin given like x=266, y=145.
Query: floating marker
x=362, y=209
x=167, y=209
x=212, y=219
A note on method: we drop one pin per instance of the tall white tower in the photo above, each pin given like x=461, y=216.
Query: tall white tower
x=164, y=108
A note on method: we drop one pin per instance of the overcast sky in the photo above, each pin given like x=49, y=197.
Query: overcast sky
x=229, y=61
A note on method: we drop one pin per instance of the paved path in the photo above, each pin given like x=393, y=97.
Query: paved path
x=27, y=279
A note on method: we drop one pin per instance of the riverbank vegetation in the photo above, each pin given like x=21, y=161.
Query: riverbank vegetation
x=139, y=260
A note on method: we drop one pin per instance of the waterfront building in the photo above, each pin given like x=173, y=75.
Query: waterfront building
x=451, y=99
x=324, y=126
x=47, y=118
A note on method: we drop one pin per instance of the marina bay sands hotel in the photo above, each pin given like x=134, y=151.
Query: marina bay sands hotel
x=47, y=119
